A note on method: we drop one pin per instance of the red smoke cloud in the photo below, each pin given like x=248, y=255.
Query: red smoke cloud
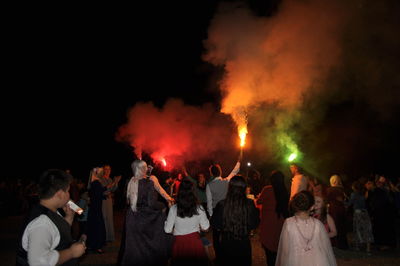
x=177, y=132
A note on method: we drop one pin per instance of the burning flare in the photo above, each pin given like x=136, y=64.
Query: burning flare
x=242, y=135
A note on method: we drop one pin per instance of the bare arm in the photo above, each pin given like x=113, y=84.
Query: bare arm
x=234, y=171
x=159, y=188
x=332, y=226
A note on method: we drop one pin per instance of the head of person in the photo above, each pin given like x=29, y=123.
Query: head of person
x=139, y=168
x=237, y=187
x=358, y=187
x=179, y=177
x=186, y=200
x=370, y=185
x=54, y=184
x=320, y=208
x=335, y=181
x=215, y=170
x=107, y=170
x=254, y=174
x=97, y=173
x=201, y=178
x=380, y=181
x=295, y=169
x=302, y=202
x=319, y=203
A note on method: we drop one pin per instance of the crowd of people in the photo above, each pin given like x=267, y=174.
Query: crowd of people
x=166, y=219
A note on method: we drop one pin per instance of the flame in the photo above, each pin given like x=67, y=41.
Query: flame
x=164, y=162
x=242, y=135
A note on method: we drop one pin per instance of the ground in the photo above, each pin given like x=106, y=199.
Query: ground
x=10, y=226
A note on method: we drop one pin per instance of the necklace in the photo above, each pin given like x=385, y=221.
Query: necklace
x=307, y=241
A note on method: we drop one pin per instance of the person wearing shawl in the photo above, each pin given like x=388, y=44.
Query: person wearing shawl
x=336, y=198
x=144, y=241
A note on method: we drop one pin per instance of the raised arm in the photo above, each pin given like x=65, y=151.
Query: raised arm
x=186, y=174
x=234, y=171
x=114, y=184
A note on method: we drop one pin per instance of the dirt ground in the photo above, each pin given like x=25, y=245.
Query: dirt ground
x=10, y=227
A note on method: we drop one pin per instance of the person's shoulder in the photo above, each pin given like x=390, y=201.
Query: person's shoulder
x=214, y=180
x=289, y=221
x=41, y=220
x=200, y=208
x=318, y=223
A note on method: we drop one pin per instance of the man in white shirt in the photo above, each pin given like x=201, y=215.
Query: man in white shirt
x=216, y=191
x=299, y=181
x=46, y=238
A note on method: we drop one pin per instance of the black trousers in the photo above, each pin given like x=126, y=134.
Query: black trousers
x=217, y=243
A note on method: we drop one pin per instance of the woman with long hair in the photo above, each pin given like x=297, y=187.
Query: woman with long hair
x=235, y=217
x=274, y=200
x=185, y=220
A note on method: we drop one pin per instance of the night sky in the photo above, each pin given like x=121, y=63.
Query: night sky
x=71, y=78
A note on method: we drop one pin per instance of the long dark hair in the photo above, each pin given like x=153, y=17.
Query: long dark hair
x=187, y=203
x=281, y=194
x=235, y=219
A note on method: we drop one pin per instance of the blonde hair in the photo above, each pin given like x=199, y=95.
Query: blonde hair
x=335, y=181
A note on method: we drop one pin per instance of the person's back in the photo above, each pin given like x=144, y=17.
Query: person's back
x=185, y=220
x=274, y=201
x=235, y=217
x=304, y=240
x=304, y=243
x=217, y=188
x=145, y=242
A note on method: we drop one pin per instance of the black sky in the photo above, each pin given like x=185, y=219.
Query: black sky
x=72, y=73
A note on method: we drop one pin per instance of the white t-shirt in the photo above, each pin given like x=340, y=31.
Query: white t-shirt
x=40, y=239
x=187, y=225
x=299, y=183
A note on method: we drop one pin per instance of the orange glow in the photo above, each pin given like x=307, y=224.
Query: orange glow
x=242, y=135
